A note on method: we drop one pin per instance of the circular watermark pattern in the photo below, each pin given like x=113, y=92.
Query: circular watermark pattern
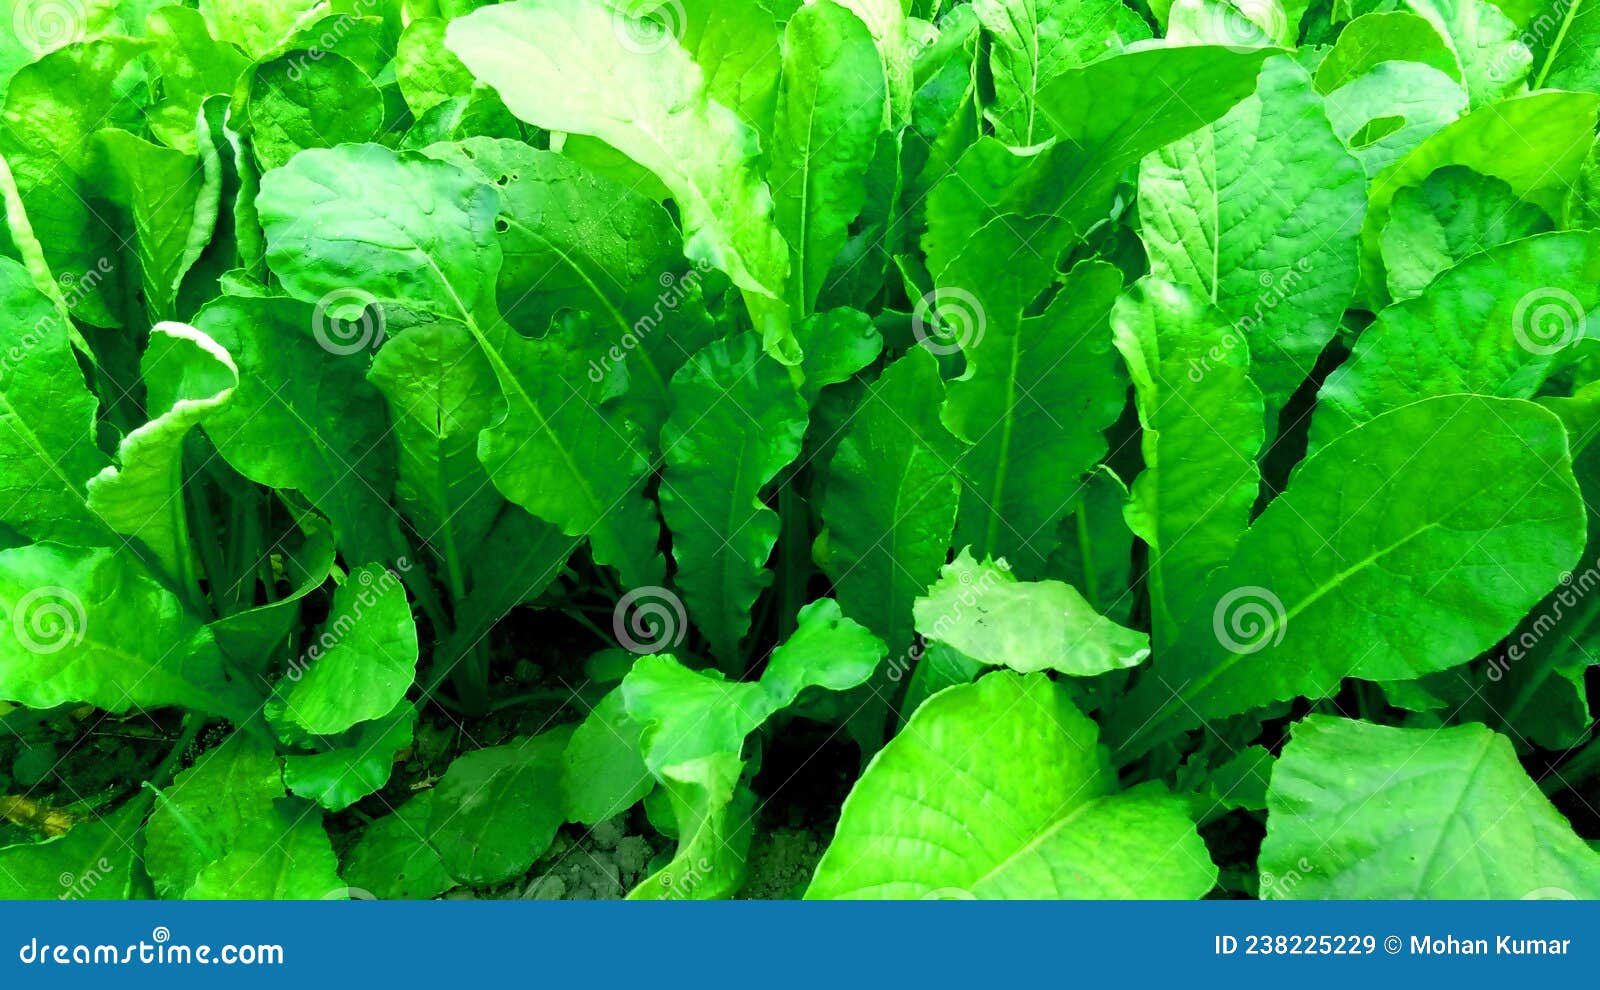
x=44, y=25
x=1245, y=25
x=48, y=620
x=949, y=320
x=1248, y=620
x=1549, y=894
x=347, y=321
x=649, y=620
x=349, y=894
x=949, y=894
x=645, y=30
x=160, y=935
x=1547, y=320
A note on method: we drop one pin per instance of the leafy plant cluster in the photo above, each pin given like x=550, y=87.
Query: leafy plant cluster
x=1038, y=448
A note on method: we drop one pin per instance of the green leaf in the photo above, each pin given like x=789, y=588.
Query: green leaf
x=830, y=111
x=193, y=66
x=983, y=611
x=224, y=829
x=1385, y=113
x=425, y=70
x=1487, y=44
x=1536, y=144
x=259, y=28
x=496, y=810
x=304, y=416
x=1455, y=213
x=651, y=103
x=603, y=773
x=304, y=557
x=173, y=201
x=736, y=422
x=891, y=499
x=310, y=100
x=94, y=861
x=360, y=666
x=189, y=377
x=1359, y=811
x=1408, y=545
x=354, y=765
x=1095, y=554
x=53, y=107
x=1520, y=312
x=1277, y=256
x=1568, y=59
x=1037, y=397
x=47, y=451
x=551, y=449
x=714, y=814
x=394, y=860
x=1037, y=817
x=1372, y=39
x=574, y=239
x=441, y=393
x=1034, y=41
x=94, y=626
x=1203, y=429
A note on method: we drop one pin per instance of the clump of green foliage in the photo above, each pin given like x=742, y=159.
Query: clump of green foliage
x=1142, y=449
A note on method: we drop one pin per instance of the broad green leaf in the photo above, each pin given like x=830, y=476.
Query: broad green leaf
x=333, y=233
x=425, y=70
x=575, y=239
x=1518, y=313
x=1567, y=58
x=306, y=99
x=830, y=111
x=1383, y=114
x=1536, y=144
x=1455, y=213
x=1278, y=255
x=224, y=829
x=193, y=66
x=891, y=499
x=1036, y=817
x=356, y=764
x=1359, y=811
x=394, y=859
x=1408, y=545
x=52, y=110
x=983, y=611
x=650, y=102
x=94, y=861
x=189, y=377
x=1203, y=429
x=1372, y=39
x=304, y=416
x=95, y=626
x=1487, y=45
x=714, y=814
x=47, y=448
x=890, y=28
x=1038, y=394
x=361, y=664
x=256, y=27
x=736, y=422
x=1108, y=115
x=1034, y=41
x=496, y=810
x=441, y=394
x=838, y=343
x=172, y=200
x=603, y=773
x=739, y=46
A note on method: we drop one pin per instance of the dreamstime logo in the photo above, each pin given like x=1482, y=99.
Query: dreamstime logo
x=74, y=887
x=1573, y=590
x=1248, y=620
x=1245, y=25
x=1547, y=320
x=649, y=620
x=647, y=31
x=335, y=30
x=45, y=25
x=949, y=320
x=48, y=620
x=674, y=290
x=682, y=887
x=347, y=321
x=373, y=584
